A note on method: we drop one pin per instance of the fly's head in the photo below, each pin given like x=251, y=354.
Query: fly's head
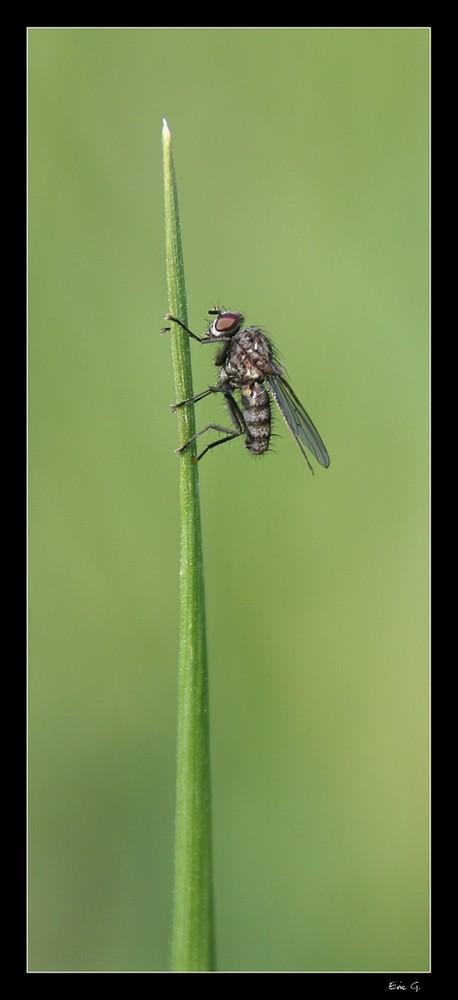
x=225, y=325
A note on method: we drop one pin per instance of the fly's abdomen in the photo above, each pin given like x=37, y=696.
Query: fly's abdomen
x=256, y=413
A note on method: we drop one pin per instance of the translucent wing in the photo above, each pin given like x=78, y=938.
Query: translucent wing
x=298, y=420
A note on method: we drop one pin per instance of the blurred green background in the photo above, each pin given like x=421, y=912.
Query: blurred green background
x=302, y=162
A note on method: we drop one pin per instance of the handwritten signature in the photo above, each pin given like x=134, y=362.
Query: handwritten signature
x=397, y=984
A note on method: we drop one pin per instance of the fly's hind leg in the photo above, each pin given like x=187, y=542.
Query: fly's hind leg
x=231, y=433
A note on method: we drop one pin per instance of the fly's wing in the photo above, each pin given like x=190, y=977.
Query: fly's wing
x=298, y=420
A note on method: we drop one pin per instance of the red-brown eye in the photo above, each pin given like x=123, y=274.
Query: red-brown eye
x=228, y=322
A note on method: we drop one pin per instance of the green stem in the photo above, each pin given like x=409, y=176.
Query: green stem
x=192, y=935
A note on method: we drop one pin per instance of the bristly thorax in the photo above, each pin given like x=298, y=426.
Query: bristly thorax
x=248, y=357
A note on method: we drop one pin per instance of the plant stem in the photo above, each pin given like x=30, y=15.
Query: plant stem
x=193, y=932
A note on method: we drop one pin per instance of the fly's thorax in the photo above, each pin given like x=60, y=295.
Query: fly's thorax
x=249, y=356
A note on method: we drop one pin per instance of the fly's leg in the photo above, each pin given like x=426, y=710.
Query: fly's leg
x=230, y=435
x=238, y=429
x=201, y=340
x=172, y=319
x=195, y=399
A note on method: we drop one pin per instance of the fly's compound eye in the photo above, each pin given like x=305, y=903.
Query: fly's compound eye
x=227, y=323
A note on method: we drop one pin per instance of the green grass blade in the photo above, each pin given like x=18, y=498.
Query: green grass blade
x=193, y=931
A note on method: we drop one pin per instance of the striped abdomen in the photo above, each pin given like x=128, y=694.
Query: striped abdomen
x=256, y=413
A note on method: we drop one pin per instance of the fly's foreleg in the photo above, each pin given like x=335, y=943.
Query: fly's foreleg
x=209, y=339
x=173, y=319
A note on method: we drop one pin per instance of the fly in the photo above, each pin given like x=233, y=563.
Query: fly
x=247, y=364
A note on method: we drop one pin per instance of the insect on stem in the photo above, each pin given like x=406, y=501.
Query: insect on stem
x=247, y=363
